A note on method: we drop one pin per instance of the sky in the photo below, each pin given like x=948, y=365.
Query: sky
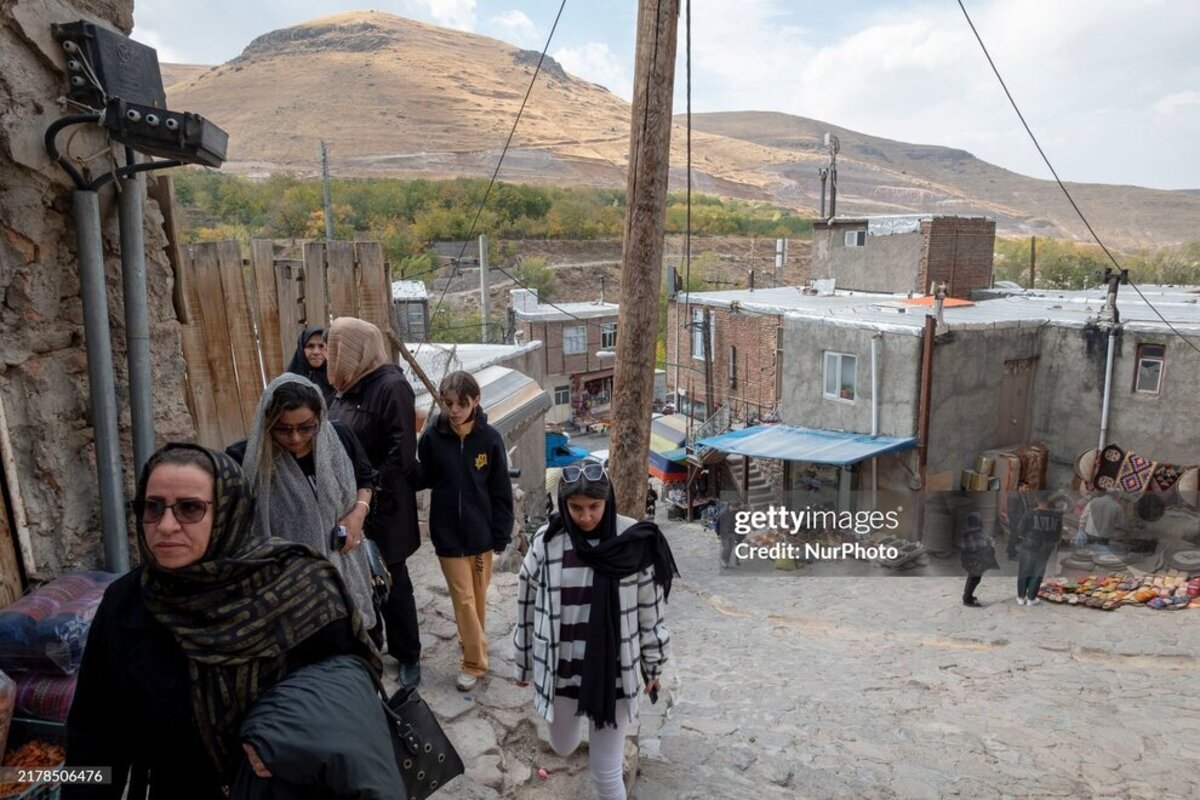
x=1111, y=88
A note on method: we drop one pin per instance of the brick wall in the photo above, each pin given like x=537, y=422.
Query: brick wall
x=958, y=252
x=753, y=336
x=559, y=363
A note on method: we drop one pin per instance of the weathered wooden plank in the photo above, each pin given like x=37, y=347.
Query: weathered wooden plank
x=275, y=351
x=206, y=278
x=10, y=571
x=343, y=282
x=316, y=309
x=161, y=189
x=201, y=401
x=241, y=329
x=374, y=290
x=289, y=289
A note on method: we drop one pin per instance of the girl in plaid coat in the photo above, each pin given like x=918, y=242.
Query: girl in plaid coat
x=590, y=628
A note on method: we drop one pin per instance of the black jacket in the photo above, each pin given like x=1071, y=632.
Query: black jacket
x=379, y=410
x=133, y=701
x=323, y=735
x=471, y=502
x=300, y=366
x=1040, y=529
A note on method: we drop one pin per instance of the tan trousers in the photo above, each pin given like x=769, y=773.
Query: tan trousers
x=467, y=578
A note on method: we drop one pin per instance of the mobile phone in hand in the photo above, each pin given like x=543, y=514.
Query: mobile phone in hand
x=337, y=538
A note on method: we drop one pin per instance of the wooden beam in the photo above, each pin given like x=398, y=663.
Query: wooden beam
x=642, y=252
x=343, y=283
x=374, y=289
x=316, y=309
x=275, y=355
x=241, y=330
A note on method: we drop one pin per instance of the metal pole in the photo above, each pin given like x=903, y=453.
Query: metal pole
x=328, y=200
x=103, y=390
x=485, y=305
x=1108, y=371
x=137, y=318
x=875, y=416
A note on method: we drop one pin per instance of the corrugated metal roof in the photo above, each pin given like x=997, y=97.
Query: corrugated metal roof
x=813, y=445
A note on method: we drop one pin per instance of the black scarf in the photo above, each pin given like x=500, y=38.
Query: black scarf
x=299, y=365
x=611, y=559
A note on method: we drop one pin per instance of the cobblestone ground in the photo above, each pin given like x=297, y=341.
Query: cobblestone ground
x=786, y=686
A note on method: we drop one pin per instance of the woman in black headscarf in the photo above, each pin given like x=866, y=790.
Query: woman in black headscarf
x=182, y=646
x=591, y=629
x=310, y=361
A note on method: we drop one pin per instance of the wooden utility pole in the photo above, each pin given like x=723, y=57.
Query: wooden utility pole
x=642, y=253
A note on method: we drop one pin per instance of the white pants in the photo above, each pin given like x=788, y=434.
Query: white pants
x=606, y=746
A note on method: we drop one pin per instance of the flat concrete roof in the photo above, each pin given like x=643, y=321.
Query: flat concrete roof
x=996, y=308
x=544, y=312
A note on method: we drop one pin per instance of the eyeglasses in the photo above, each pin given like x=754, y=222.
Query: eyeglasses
x=307, y=430
x=592, y=472
x=187, y=511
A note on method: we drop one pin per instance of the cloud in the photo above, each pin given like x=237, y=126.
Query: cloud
x=1174, y=102
x=595, y=62
x=514, y=26
x=150, y=37
x=458, y=14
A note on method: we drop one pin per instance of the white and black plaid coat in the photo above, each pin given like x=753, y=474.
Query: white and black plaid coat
x=644, y=645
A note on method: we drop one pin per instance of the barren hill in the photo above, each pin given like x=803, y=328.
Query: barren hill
x=178, y=73
x=395, y=97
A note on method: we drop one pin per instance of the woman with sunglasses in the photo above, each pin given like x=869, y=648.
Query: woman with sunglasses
x=183, y=645
x=591, y=629
x=376, y=401
x=312, y=479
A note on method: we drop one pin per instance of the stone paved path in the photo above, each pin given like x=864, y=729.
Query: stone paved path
x=787, y=686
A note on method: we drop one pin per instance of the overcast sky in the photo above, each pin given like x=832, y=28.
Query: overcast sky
x=1111, y=87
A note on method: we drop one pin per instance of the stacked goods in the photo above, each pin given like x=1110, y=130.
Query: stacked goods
x=42, y=637
x=33, y=756
x=1108, y=592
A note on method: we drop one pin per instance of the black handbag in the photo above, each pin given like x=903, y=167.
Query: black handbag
x=425, y=756
x=381, y=579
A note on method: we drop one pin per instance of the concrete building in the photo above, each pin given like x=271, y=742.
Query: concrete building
x=905, y=253
x=410, y=304
x=572, y=335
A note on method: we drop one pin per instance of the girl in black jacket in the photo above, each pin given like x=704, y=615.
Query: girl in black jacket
x=470, y=511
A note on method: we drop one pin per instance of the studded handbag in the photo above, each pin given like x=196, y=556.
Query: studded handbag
x=425, y=756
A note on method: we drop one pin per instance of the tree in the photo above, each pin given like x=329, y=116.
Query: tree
x=535, y=273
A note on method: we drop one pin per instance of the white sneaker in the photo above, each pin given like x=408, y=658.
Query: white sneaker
x=1020, y=601
x=1033, y=601
x=465, y=682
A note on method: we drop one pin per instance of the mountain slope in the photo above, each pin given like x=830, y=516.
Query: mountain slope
x=395, y=97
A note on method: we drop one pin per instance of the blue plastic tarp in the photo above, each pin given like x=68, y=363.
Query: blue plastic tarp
x=814, y=445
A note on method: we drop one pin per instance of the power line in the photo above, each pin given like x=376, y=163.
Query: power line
x=499, y=162
x=557, y=308
x=1058, y=180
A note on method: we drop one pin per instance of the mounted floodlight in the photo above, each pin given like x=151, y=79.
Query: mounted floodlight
x=170, y=134
x=102, y=63
x=120, y=80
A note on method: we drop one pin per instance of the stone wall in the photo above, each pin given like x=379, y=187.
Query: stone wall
x=43, y=366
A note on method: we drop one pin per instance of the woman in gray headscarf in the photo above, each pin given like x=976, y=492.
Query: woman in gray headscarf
x=312, y=479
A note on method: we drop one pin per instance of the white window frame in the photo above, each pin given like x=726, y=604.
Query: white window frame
x=574, y=340
x=1142, y=358
x=855, y=239
x=608, y=335
x=559, y=392
x=698, y=318
x=837, y=362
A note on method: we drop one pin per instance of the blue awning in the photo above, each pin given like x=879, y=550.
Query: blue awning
x=814, y=445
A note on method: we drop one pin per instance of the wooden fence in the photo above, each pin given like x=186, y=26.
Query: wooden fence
x=242, y=319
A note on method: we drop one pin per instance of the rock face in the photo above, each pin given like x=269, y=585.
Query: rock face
x=43, y=366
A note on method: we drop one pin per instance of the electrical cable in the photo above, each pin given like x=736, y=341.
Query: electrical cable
x=496, y=171
x=52, y=146
x=1058, y=180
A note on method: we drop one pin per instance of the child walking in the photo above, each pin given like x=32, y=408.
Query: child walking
x=464, y=463
x=591, y=626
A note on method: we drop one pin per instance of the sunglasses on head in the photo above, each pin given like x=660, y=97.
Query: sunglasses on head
x=592, y=472
x=306, y=430
x=188, y=511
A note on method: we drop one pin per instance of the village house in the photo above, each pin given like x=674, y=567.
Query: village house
x=410, y=304
x=579, y=340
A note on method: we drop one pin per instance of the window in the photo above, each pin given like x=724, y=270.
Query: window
x=608, y=335
x=575, y=340
x=856, y=238
x=732, y=367
x=841, y=376
x=698, y=325
x=1150, y=361
x=562, y=395
x=416, y=319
